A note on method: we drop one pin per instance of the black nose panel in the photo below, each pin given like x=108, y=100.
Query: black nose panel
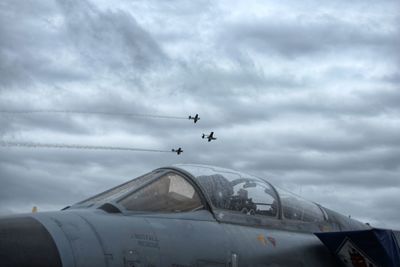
x=24, y=242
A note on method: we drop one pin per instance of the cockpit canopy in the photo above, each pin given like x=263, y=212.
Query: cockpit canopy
x=235, y=191
x=185, y=188
x=247, y=194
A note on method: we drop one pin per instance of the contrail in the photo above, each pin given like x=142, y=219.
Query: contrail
x=93, y=113
x=43, y=145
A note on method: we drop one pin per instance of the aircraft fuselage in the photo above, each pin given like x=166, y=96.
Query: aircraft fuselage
x=102, y=239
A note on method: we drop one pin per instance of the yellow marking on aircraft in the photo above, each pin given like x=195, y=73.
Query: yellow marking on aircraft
x=262, y=239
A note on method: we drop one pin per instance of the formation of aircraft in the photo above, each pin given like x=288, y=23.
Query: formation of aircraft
x=194, y=215
x=178, y=151
x=195, y=118
x=210, y=137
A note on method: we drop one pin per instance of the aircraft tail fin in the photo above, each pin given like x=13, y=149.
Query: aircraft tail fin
x=373, y=247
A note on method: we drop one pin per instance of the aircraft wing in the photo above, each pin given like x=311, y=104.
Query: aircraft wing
x=369, y=248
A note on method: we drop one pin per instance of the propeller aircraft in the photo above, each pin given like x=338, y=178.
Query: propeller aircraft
x=210, y=137
x=195, y=118
x=177, y=151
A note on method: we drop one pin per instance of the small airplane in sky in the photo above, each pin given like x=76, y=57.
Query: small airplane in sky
x=195, y=118
x=209, y=137
x=177, y=151
x=194, y=215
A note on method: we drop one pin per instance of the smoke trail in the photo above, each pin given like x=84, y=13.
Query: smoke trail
x=16, y=112
x=42, y=145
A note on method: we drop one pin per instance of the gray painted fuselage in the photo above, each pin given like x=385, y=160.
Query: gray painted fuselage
x=104, y=237
x=96, y=238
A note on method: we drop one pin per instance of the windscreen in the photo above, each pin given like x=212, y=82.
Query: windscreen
x=169, y=193
x=120, y=190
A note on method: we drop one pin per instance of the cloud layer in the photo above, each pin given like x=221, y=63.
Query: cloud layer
x=306, y=94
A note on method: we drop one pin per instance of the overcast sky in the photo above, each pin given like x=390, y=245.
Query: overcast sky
x=304, y=93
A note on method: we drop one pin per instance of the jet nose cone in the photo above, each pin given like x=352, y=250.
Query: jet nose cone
x=25, y=242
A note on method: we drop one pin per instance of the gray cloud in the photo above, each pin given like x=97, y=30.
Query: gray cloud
x=294, y=38
x=108, y=39
x=25, y=46
x=307, y=99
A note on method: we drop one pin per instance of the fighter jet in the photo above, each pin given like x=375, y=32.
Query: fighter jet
x=195, y=118
x=184, y=215
x=209, y=137
x=178, y=151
